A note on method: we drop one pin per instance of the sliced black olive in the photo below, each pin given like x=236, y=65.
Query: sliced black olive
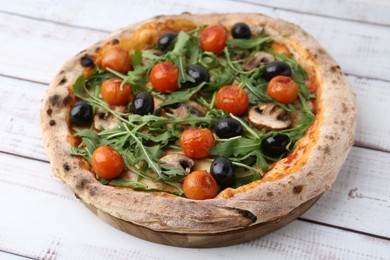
x=276, y=68
x=222, y=171
x=227, y=128
x=165, y=40
x=143, y=103
x=198, y=73
x=81, y=114
x=275, y=146
x=241, y=31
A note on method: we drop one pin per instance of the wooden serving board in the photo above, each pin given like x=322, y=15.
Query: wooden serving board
x=203, y=240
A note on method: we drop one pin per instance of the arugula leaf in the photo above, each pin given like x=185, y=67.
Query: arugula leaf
x=181, y=96
x=250, y=43
x=235, y=147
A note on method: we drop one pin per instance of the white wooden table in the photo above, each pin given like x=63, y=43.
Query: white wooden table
x=41, y=218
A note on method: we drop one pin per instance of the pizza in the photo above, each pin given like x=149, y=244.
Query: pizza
x=199, y=124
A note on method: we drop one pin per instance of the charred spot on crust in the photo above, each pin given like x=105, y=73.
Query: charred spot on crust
x=52, y=122
x=87, y=61
x=66, y=166
x=92, y=191
x=330, y=137
x=62, y=81
x=81, y=184
x=66, y=100
x=97, y=49
x=115, y=41
x=270, y=193
x=325, y=149
x=345, y=108
x=321, y=51
x=54, y=100
x=247, y=214
x=297, y=189
x=49, y=111
x=335, y=69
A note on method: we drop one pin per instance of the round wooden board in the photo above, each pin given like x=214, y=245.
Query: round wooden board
x=203, y=240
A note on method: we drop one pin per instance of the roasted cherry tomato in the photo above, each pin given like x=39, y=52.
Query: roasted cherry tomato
x=113, y=94
x=195, y=143
x=107, y=162
x=164, y=77
x=117, y=59
x=200, y=185
x=283, y=89
x=232, y=99
x=213, y=38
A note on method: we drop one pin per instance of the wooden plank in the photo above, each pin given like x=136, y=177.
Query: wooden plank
x=375, y=12
x=373, y=102
x=20, y=117
x=361, y=49
x=9, y=256
x=359, y=196
x=36, y=50
x=70, y=231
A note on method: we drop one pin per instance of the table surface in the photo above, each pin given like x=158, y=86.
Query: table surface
x=41, y=218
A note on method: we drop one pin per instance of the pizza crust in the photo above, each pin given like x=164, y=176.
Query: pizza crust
x=311, y=171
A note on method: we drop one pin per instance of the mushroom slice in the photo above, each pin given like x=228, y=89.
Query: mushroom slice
x=190, y=106
x=179, y=161
x=104, y=120
x=259, y=58
x=269, y=116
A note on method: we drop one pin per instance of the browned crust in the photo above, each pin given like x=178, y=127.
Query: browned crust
x=317, y=163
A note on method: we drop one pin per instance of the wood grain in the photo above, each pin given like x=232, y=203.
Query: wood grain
x=71, y=231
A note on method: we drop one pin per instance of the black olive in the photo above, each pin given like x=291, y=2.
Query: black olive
x=276, y=68
x=198, y=73
x=143, y=103
x=81, y=114
x=165, y=40
x=222, y=171
x=241, y=31
x=275, y=146
x=227, y=128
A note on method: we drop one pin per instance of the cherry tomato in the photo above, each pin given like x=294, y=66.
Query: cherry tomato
x=164, y=77
x=200, y=185
x=117, y=59
x=283, y=89
x=232, y=99
x=107, y=162
x=213, y=38
x=195, y=143
x=113, y=94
